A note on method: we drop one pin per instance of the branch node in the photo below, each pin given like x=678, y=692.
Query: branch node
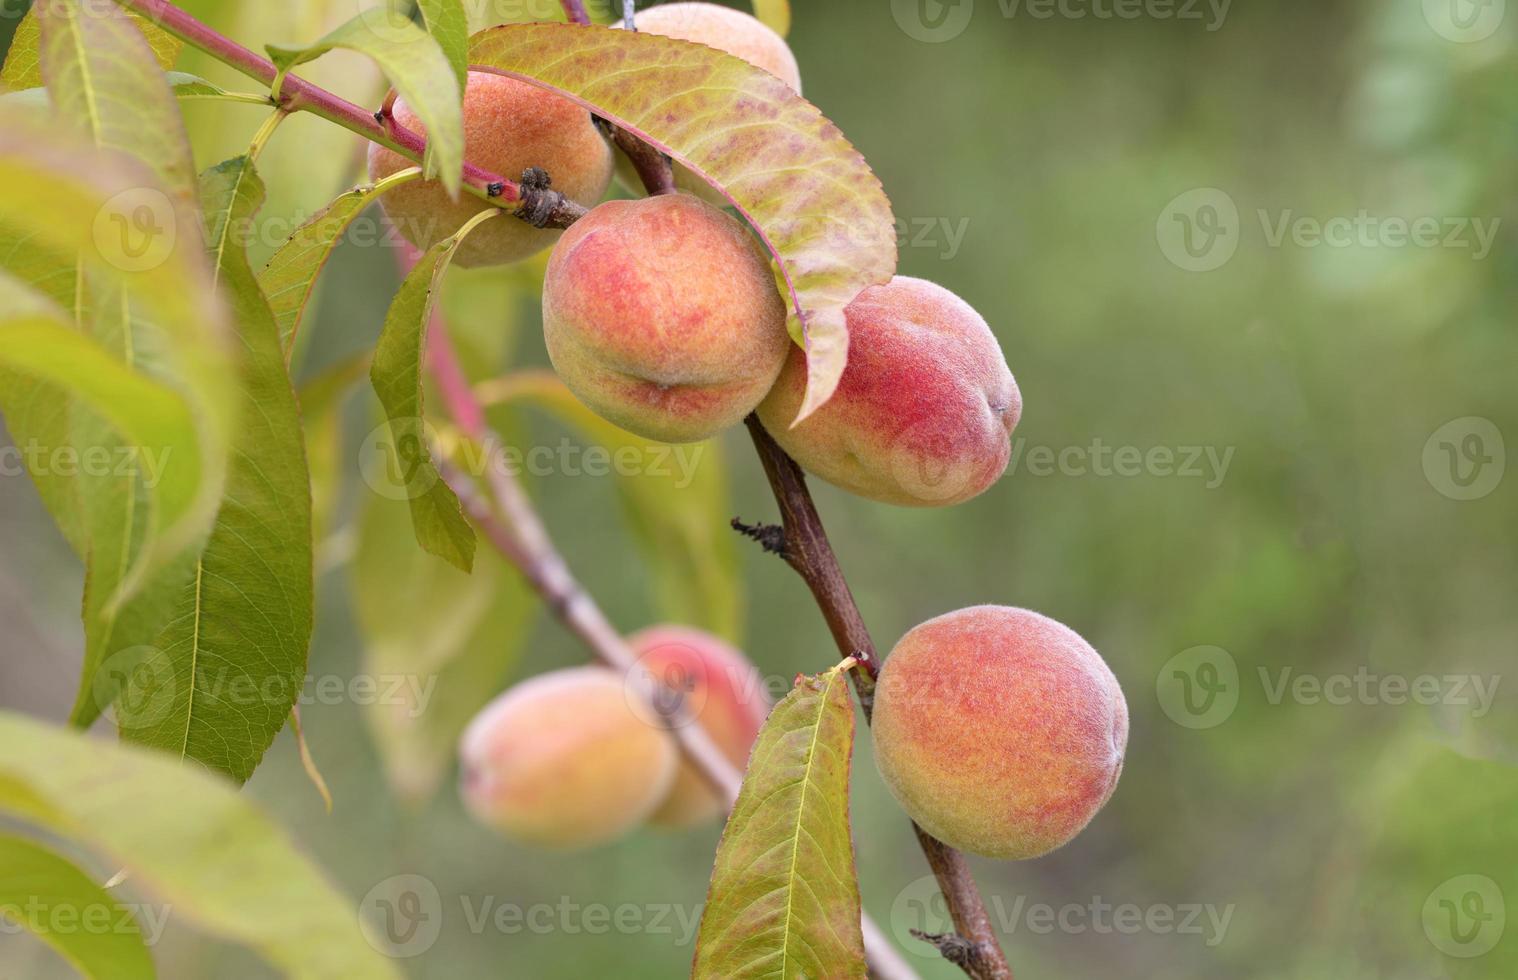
x=542, y=206
x=952, y=946
x=770, y=536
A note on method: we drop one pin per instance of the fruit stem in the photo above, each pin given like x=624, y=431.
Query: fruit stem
x=803, y=543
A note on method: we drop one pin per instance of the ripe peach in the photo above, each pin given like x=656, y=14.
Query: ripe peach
x=924, y=410
x=562, y=761
x=733, y=31
x=662, y=315
x=509, y=126
x=722, y=691
x=1000, y=731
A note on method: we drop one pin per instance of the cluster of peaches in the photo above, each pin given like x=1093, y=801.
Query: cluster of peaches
x=999, y=730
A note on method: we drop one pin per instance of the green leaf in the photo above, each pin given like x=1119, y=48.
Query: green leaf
x=102, y=76
x=225, y=671
x=448, y=24
x=21, y=70
x=420, y=70
x=784, y=897
x=321, y=401
x=191, y=840
x=676, y=503
x=808, y=193
x=290, y=275
x=443, y=642
x=396, y=374
x=775, y=14
x=43, y=892
x=39, y=888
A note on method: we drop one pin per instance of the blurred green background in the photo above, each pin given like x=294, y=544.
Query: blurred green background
x=1344, y=528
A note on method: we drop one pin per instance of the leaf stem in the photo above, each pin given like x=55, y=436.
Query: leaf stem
x=803, y=543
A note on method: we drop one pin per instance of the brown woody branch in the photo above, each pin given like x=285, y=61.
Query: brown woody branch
x=803, y=543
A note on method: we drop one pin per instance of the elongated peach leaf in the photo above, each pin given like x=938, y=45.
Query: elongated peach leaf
x=805, y=189
x=38, y=887
x=784, y=897
x=396, y=373
x=418, y=68
x=22, y=71
x=289, y=277
x=448, y=24
x=192, y=842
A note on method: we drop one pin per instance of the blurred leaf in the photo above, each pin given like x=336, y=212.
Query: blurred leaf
x=40, y=888
x=441, y=641
x=675, y=500
x=40, y=342
x=784, y=898
x=102, y=76
x=229, y=664
x=21, y=70
x=291, y=272
x=805, y=189
x=396, y=374
x=446, y=21
x=191, y=840
x=417, y=66
x=775, y=14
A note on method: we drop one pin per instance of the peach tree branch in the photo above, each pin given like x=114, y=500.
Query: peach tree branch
x=802, y=542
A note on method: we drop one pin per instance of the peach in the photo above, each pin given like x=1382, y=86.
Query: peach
x=1000, y=731
x=722, y=691
x=732, y=31
x=924, y=411
x=509, y=126
x=662, y=316
x=563, y=761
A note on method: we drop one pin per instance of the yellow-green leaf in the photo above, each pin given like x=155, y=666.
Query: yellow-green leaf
x=784, y=897
x=290, y=275
x=776, y=14
x=396, y=373
x=448, y=24
x=21, y=70
x=675, y=499
x=44, y=893
x=808, y=193
x=191, y=840
x=420, y=70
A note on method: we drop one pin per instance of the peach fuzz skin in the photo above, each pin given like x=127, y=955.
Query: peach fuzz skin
x=509, y=126
x=925, y=409
x=1000, y=731
x=562, y=761
x=732, y=31
x=662, y=316
x=725, y=695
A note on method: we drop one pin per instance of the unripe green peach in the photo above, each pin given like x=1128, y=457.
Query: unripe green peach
x=732, y=31
x=563, y=761
x=924, y=411
x=722, y=692
x=661, y=314
x=1000, y=731
x=509, y=126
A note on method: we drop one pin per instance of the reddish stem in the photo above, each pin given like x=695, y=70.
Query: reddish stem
x=298, y=94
